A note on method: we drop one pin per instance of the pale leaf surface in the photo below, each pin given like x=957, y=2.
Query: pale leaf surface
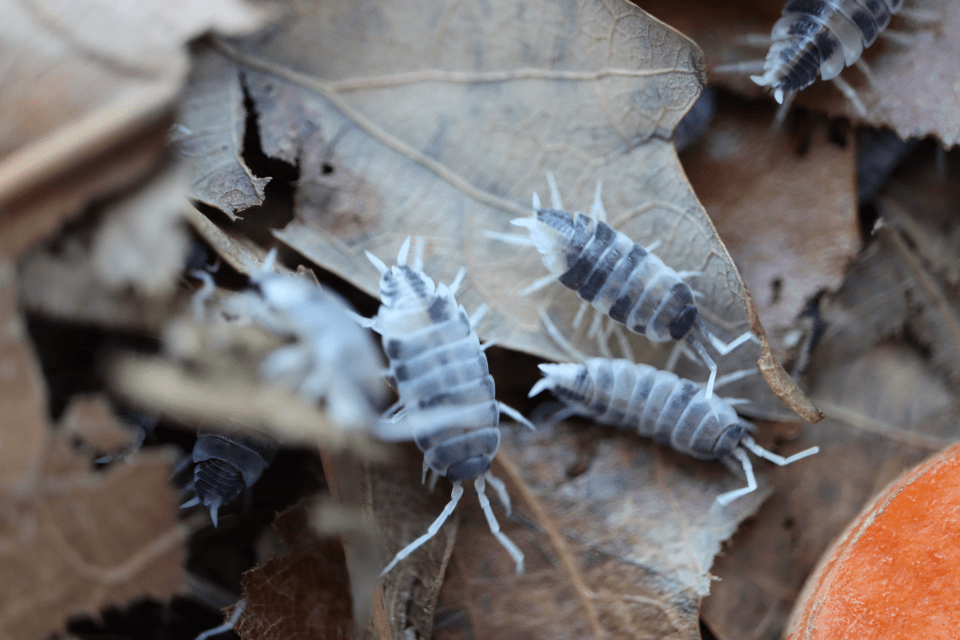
x=444, y=120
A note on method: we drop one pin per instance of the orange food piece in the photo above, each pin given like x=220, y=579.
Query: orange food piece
x=895, y=571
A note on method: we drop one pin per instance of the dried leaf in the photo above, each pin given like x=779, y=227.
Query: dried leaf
x=301, y=593
x=209, y=134
x=788, y=218
x=91, y=420
x=430, y=136
x=619, y=536
x=23, y=392
x=885, y=411
x=106, y=101
x=236, y=250
x=911, y=88
x=82, y=541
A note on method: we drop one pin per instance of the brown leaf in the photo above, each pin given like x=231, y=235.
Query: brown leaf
x=119, y=270
x=885, y=411
x=82, y=541
x=91, y=420
x=429, y=136
x=911, y=88
x=619, y=536
x=105, y=101
x=209, y=134
x=23, y=392
x=298, y=594
x=789, y=219
x=238, y=251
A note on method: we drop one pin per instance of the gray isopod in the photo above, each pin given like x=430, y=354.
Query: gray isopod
x=822, y=36
x=657, y=404
x=617, y=276
x=447, y=403
x=224, y=466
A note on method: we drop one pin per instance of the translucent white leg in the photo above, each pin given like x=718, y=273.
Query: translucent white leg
x=850, y=94
x=760, y=452
x=501, y=490
x=377, y=262
x=432, y=531
x=457, y=281
x=733, y=377
x=914, y=14
x=783, y=109
x=366, y=323
x=404, y=252
x=707, y=360
x=737, y=401
x=577, y=319
x=726, y=498
x=478, y=316
x=510, y=238
x=199, y=300
x=511, y=548
x=689, y=274
x=652, y=246
x=723, y=348
x=516, y=415
x=597, y=210
x=761, y=40
x=597, y=333
x=864, y=69
x=536, y=202
x=899, y=37
x=418, y=255
x=625, y=349
x=559, y=338
x=434, y=476
x=555, y=200
x=538, y=284
x=740, y=68
x=226, y=626
x=488, y=344
x=679, y=348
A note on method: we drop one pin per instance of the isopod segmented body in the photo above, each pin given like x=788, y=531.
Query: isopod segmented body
x=226, y=465
x=660, y=405
x=618, y=277
x=330, y=358
x=821, y=36
x=447, y=403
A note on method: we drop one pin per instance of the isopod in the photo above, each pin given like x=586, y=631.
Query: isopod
x=660, y=405
x=330, y=358
x=224, y=466
x=821, y=37
x=617, y=276
x=447, y=403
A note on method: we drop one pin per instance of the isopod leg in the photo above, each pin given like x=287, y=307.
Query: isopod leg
x=226, y=626
x=199, y=300
x=539, y=284
x=850, y=94
x=555, y=200
x=723, y=348
x=760, y=452
x=516, y=415
x=783, y=109
x=501, y=490
x=559, y=338
x=432, y=531
x=726, y=498
x=455, y=285
x=511, y=548
x=597, y=210
x=707, y=360
x=740, y=68
x=478, y=316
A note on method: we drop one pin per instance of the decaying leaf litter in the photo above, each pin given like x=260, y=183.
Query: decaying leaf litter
x=372, y=155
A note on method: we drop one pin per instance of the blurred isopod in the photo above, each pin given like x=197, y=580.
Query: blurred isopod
x=657, y=404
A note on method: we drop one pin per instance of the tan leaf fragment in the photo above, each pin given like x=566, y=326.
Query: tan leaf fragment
x=301, y=593
x=120, y=269
x=436, y=142
x=619, y=536
x=788, y=219
x=209, y=134
x=23, y=392
x=885, y=412
x=92, y=420
x=912, y=88
x=235, y=249
x=83, y=541
x=105, y=101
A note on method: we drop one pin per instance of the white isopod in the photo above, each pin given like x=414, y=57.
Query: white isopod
x=822, y=37
x=660, y=405
x=447, y=403
x=330, y=358
x=617, y=276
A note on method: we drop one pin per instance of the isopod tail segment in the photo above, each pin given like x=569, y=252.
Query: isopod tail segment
x=617, y=277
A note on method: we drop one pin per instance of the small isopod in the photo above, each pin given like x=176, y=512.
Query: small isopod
x=447, y=403
x=660, y=405
x=822, y=37
x=224, y=466
x=617, y=276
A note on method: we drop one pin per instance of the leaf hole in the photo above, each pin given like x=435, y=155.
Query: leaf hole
x=776, y=290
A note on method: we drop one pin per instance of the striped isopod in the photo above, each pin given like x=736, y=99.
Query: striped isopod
x=617, y=276
x=822, y=36
x=660, y=405
x=447, y=403
x=330, y=358
x=226, y=465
